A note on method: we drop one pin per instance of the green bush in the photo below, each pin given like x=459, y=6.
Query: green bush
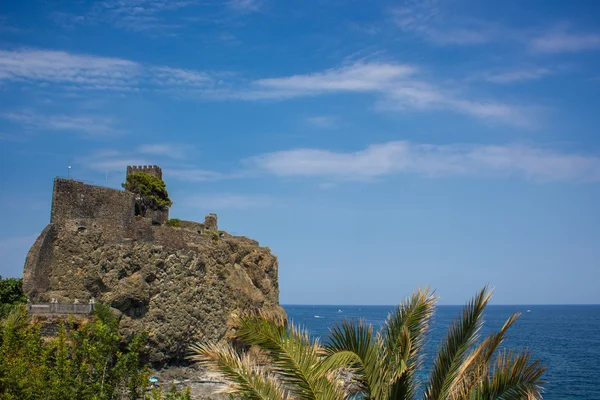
x=89, y=361
x=151, y=189
x=11, y=294
x=174, y=222
x=172, y=394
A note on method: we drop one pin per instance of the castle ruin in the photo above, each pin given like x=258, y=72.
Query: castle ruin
x=181, y=283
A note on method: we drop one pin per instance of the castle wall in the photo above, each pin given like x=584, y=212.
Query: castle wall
x=83, y=204
x=210, y=224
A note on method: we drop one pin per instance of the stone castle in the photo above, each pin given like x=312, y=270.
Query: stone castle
x=180, y=284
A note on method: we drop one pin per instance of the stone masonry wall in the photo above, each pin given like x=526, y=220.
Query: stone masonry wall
x=83, y=204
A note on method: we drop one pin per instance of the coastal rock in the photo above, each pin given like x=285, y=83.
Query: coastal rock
x=179, y=284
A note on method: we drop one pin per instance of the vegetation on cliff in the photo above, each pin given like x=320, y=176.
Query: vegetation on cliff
x=11, y=294
x=151, y=189
x=86, y=360
x=383, y=365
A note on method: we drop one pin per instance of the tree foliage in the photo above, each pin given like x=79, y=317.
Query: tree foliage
x=152, y=190
x=11, y=294
x=90, y=361
x=382, y=365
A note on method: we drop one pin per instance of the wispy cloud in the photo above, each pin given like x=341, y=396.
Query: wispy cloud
x=90, y=72
x=563, y=42
x=245, y=6
x=359, y=77
x=399, y=86
x=191, y=174
x=377, y=161
x=518, y=75
x=91, y=125
x=169, y=157
x=167, y=150
x=226, y=201
x=324, y=121
x=138, y=15
x=62, y=67
x=427, y=20
x=432, y=161
x=112, y=160
x=165, y=17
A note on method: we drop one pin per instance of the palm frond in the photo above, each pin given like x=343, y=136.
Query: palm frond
x=514, y=377
x=295, y=360
x=356, y=337
x=402, y=340
x=477, y=365
x=451, y=354
x=246, y=379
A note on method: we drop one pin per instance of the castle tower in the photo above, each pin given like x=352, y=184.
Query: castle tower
x=152, y=170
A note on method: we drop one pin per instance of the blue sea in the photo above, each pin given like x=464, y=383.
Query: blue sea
x=565, y=338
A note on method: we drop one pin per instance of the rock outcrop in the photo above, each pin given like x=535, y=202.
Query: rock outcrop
x=179, y=284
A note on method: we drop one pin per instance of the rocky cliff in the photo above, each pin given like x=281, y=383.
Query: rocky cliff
x=179, y=284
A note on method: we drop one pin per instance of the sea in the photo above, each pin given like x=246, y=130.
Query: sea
x=566, y=339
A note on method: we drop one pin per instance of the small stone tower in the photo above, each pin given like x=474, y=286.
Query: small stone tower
x=152, y=170
x=158, y=217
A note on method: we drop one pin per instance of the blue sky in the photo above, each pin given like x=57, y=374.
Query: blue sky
x=374, y=146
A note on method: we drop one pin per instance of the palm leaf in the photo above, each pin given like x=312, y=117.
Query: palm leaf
x=356, y=338
x=402, y=341
x=462, y=334
x=477, y=366
x=247, y=380
x=295, y=360
x=514, y=377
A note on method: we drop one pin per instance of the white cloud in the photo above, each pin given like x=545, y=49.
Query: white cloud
x=138, y=15
x=520, y=75
x=431, y=161
x=424, y=96
x=324, y=121
x=226, y=201
x=245, y=6
x=88, y=124
x=195, y=175
x=167, y=150
x=427, y=19
x=180, y=77
x=359, y=77
x=399, y=87
x=169, y=157
x=62, y=67
x=565, y=42
x=156, y=17
x=111, y=160
x=90, y=72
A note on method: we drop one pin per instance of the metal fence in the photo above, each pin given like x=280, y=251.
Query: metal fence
x=60, y=308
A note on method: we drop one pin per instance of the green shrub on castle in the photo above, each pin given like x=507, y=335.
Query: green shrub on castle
x=174, y=222
x=151, y=189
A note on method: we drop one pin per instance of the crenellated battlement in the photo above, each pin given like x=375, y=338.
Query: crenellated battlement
x=153, y=170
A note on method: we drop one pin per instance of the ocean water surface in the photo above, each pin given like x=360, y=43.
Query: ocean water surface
x=565, y=338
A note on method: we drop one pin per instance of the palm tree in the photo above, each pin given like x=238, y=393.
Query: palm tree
x=384, y=365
